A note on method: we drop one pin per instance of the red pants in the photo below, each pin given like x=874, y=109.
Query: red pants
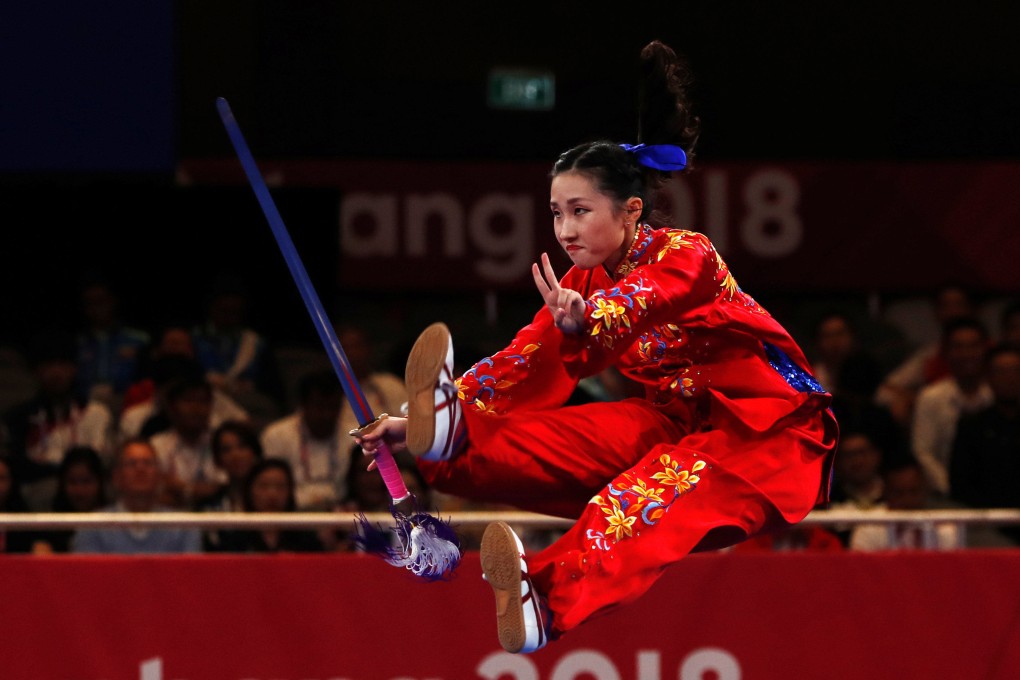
x=645, y=493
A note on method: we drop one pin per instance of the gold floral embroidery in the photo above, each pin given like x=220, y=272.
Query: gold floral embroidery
x=681, y=479
x=626, y=268
x=631, y=499
x=612, y=311
x=487, y=409
x=677, y=240
x=649, y=493
x=608, y=311
x=685, y=385
x=620, y=524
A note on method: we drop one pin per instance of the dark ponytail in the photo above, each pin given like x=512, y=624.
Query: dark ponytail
x=664, y=111
x=664, y=117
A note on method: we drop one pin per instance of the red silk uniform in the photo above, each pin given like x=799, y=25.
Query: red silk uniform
x=732, y=437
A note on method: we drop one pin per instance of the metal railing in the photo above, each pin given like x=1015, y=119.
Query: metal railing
x=474, y=519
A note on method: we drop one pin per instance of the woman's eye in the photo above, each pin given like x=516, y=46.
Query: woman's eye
x=556, y=213
x=580, y=211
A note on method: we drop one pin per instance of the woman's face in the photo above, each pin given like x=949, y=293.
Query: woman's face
x=269, y=491
x=858, y=459
x=81, y=488
x=191, y=410
x=589, y=225
x=235, y=457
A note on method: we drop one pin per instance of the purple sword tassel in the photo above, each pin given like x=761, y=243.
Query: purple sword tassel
x=428, y=547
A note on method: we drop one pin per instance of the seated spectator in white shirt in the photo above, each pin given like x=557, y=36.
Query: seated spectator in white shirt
x=906, y=489
x=312, y=441
x=191, y=476
x=928, y=363
x=940, y=405
x=136, y=481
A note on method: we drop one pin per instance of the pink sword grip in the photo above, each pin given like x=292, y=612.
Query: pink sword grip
x=391, y=474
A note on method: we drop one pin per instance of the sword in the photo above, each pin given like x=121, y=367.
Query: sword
x=429, y=547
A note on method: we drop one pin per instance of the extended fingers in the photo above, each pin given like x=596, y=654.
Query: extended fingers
x=550, y=275
x=543, y=287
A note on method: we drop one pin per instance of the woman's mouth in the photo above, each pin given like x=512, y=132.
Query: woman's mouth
x=571, y=249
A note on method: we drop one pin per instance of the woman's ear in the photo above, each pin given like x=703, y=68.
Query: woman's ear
x=634, y=204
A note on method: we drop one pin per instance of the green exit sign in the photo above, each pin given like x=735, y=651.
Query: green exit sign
x=522, y=89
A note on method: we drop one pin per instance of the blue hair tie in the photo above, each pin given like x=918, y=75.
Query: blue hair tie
x=665, y=157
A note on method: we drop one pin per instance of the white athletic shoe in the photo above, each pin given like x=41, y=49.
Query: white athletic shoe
x=519, y=619
x=435, y=423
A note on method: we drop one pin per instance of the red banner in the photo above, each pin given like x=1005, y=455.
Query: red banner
x=350, y=617
x=837, y=226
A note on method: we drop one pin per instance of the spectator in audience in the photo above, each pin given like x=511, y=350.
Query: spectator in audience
x=43, y=428
x=906, y=488
x=172, y=338
x=191, y=476
x=149, y=417
x=384, y=391
x=270, y=488
x=80, y=488
x=366, y=491
x=136, y=481
x=109, y=352
x=857, y=478
x=237, y=358
x=11, y=501
x=940, y=405
x=852, y=375
x=927, y=364
x=985, y=463
x=836, y=344
x=236, y=450
x=313, y=441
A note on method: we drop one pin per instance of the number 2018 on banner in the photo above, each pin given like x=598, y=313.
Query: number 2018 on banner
x=769, y=225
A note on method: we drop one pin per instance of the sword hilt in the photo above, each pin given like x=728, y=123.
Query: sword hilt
x=384, y=461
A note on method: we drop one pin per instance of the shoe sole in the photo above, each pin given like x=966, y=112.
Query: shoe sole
x=501, y=564
x=424, y=364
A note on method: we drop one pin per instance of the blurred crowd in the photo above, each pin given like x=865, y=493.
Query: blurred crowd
x=198, y=415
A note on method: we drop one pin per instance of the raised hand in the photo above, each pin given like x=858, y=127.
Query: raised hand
x=565, y=305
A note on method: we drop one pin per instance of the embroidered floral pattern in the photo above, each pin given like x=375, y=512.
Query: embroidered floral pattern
x=632, y=502
x=678, y=239
x=728, y=288
x=613, y=311
x=682, y=384
x=480, y=386
x=654, y=345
